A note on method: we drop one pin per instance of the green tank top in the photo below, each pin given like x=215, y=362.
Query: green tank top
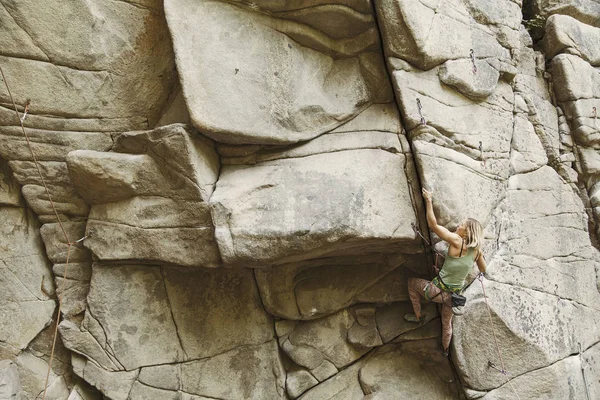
x=455, y=269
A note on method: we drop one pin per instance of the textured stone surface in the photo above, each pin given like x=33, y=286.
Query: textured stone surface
x=307, y=290
x=585, y=11
x=10, y=385
x=26, y=283
x=326, y=119
x=565, y=34
x=294, y=94
x=155, y=210
x=291, y=202
x=95, y=61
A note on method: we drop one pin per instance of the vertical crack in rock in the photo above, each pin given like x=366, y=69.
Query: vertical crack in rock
x=107, y=346
x=162, y=273
x=419, y=210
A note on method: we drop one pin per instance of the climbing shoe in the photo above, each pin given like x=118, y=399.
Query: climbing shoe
x=413, y=318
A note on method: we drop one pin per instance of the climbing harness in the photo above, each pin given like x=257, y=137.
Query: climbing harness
x=420, y=107
x=472, y=55
x=69, y=244
x=481, y=154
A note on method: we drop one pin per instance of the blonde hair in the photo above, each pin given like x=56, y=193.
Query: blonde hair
x=474, y=232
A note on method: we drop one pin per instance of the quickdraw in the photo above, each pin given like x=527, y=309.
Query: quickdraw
x=420, y=107
x=472, y=55
x=494, y=366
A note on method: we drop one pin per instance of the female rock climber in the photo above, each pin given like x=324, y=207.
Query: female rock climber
x=464, y=249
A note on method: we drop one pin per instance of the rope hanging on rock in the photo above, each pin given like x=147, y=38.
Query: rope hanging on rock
x=69, y=244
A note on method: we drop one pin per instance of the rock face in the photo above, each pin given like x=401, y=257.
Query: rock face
x=244, y=228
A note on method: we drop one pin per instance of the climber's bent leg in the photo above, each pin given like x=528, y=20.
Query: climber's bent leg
x=416, y=288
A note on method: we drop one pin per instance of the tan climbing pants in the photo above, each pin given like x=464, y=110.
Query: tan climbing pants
x=416, y=291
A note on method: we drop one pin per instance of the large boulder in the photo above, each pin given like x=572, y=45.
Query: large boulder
x=155, y=210
x=94, y=61
x=309, y=84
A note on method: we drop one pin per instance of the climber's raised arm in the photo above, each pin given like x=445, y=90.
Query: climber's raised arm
x=442, y=232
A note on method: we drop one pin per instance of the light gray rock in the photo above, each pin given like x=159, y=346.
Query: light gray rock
x=65, y=199
x=131, y=304
x=73, y=294
x=156, y=209
x=247, y=372
x=56, y=243
x=562, y=379
x=100, y=60
x=543, y=331
x=391, y=323
x=292, y=203
x=343, y=386
x=10, y=385
x=298, y=382
x=295, y=94
x=527, y=153
x=166, y=377
x=476, y=81
x=441, y=167
x=586, y=11
x=565, y=34
x=84, y=343
x=411, y=371
x=33, y=370
x=172, y=316
x=336, y=20
x=48, y=145
x=9, y=188
x=26, y=286
x=115, y=385
x=311, y=342
x=377, y=127
x=82, y=391
x=538, y=209
x=364, y=333
x=216, y=310
x=590, y=367
x=577, y=87
x=141, y=391
x=26, y=173
x=125, y=175
x=451, y=114
x=312, y=289
x=427, y=35
x=179, y=245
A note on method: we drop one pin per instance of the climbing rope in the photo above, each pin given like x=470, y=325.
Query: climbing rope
x=503, y=370
x=21, y=120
